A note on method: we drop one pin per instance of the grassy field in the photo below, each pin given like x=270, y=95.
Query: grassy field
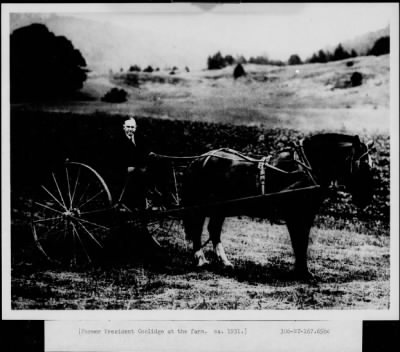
x=259, y=113
x=352, y=271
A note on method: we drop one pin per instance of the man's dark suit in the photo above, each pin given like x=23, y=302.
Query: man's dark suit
x=134, y=155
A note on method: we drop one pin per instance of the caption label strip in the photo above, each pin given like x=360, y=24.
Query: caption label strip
x=243, y=336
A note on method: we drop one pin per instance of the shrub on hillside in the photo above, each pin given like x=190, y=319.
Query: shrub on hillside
x=239, y=71
x=148, y=69
x=43, y=65
x=131, y=79
x=356, y=79
x=115, y=95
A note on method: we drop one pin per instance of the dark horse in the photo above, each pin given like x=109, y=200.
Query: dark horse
x=223, y=175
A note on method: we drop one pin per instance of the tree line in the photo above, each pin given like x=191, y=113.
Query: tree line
x=380, y=47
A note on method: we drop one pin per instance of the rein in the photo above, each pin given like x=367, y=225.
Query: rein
x=263, y=163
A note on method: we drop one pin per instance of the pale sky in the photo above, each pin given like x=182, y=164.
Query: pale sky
x=277, y=30
x=186, y=34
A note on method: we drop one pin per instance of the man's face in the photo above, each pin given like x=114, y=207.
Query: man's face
x=129, y=128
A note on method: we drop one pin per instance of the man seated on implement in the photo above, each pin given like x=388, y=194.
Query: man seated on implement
x=135, y=157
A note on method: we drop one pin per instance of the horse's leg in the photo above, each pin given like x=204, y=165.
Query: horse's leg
x=193, y=224
x=215, y=229
x=299, y=229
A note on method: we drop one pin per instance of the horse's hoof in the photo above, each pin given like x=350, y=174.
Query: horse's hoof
x=305, y=275
x=202, y=264
x=227, y=265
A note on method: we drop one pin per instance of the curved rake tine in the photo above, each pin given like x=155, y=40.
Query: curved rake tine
x=49, y=230
x=39, y=245
x=59, y=191
x=54, y=197
x=91, y=235
x=74, y=248
x=80, y=240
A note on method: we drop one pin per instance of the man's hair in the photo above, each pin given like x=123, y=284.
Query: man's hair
x=131, y=118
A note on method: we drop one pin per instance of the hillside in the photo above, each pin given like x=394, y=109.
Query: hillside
x=305, y=97
x=363, y=43
x=107, y=45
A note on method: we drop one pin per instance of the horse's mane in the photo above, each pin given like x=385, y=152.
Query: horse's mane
x=338, y=139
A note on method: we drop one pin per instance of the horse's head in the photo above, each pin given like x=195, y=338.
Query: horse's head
x=342, y=159
x=360, y=179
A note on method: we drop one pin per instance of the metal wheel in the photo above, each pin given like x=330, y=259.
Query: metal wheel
x=71, y=215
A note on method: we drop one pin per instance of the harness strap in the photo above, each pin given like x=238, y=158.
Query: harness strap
x=262, y=164
x=304, y=161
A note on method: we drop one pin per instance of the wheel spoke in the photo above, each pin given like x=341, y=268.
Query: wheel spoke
x=91, y=235
x=59, y=191
x=64, y=231
x=47, y=219
x=90, y=223
x=75, y=186
x=50, y=208
x=69, y=188
x=81, y=242
x=94, y=211
x=82, y=196
x=54, y=197
x=90, y=199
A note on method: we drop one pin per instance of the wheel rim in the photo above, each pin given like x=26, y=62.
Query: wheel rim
x=70, y=215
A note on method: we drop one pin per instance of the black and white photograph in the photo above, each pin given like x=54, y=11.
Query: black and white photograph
x=229, y=160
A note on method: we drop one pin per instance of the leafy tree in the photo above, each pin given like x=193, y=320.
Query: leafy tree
x=313, y=59
x=381, y=46
x=322, y=57
x=353, y=53
x=241, y=59
x=43, y=65
x=229, y=60
x=115, y=95
x=259, y=60
x=340, y=53
x=135, y=68
x=216, y=62
x=294, y=60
